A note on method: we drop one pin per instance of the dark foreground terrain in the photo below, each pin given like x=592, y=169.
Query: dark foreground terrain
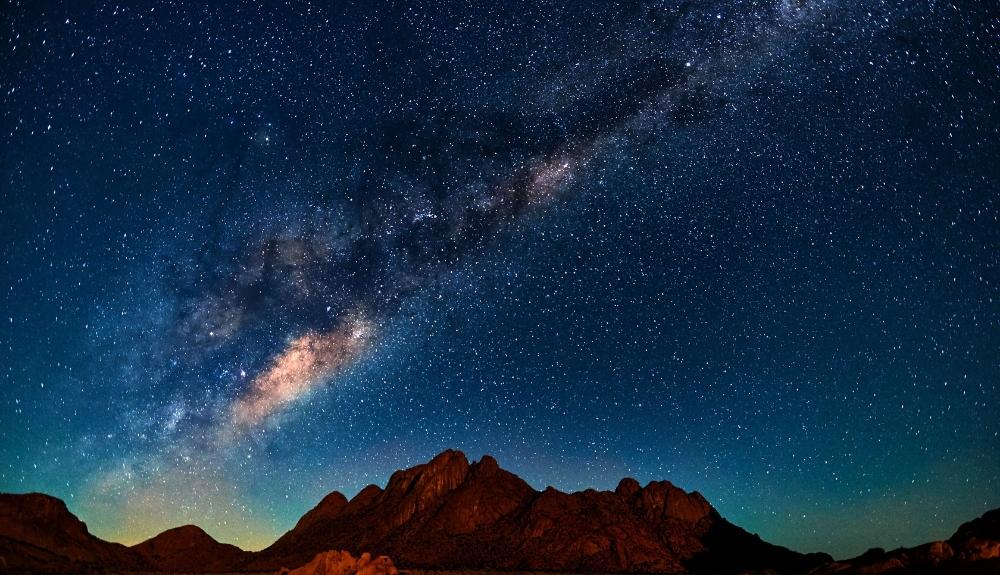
x=450, y=516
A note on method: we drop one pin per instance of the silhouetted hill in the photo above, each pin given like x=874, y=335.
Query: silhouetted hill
x=188, y=548
x=39, y=534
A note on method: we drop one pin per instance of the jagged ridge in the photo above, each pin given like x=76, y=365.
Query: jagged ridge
x=451, y=514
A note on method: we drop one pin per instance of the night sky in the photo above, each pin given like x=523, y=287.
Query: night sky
x=255, y=252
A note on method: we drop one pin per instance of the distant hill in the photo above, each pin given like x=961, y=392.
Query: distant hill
x=973, y=550
x=189, y=549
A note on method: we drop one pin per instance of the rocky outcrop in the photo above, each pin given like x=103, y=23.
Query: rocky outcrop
x=189, y=549
x=39, y=534
x=974, y=549
x=343, y=563
x=453, y=514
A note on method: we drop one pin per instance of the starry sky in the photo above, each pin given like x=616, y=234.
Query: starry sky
x=254, y=252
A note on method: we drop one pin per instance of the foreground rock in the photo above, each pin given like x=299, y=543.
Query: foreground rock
x=974, y=549
x=450, y=514
x=343, y=563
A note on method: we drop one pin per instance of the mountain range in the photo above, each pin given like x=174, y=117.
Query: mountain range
x=450, y=514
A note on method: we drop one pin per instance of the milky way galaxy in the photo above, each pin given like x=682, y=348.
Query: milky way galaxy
x=262, y=251
x=308, y=360
x=410, y=234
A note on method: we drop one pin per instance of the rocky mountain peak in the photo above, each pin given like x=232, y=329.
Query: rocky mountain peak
x=627, y=487
x=661, y=500
x=432, y=479
x=331, y=506
x=485, y=466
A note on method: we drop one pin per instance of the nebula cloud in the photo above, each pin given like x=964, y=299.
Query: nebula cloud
x=306, y=362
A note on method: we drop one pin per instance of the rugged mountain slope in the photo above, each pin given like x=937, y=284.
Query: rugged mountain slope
x=189, y=549
x=39, y=534
x=973, y=550
x=449, y=513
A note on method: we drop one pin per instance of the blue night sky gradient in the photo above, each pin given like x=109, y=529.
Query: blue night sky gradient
x=749, y=247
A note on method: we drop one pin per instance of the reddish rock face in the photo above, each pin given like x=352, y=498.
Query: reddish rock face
x=189, y=549
x=39, y=534
x=450, y=514
x=418, y=489
x=660, y=500
x=343, y=563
